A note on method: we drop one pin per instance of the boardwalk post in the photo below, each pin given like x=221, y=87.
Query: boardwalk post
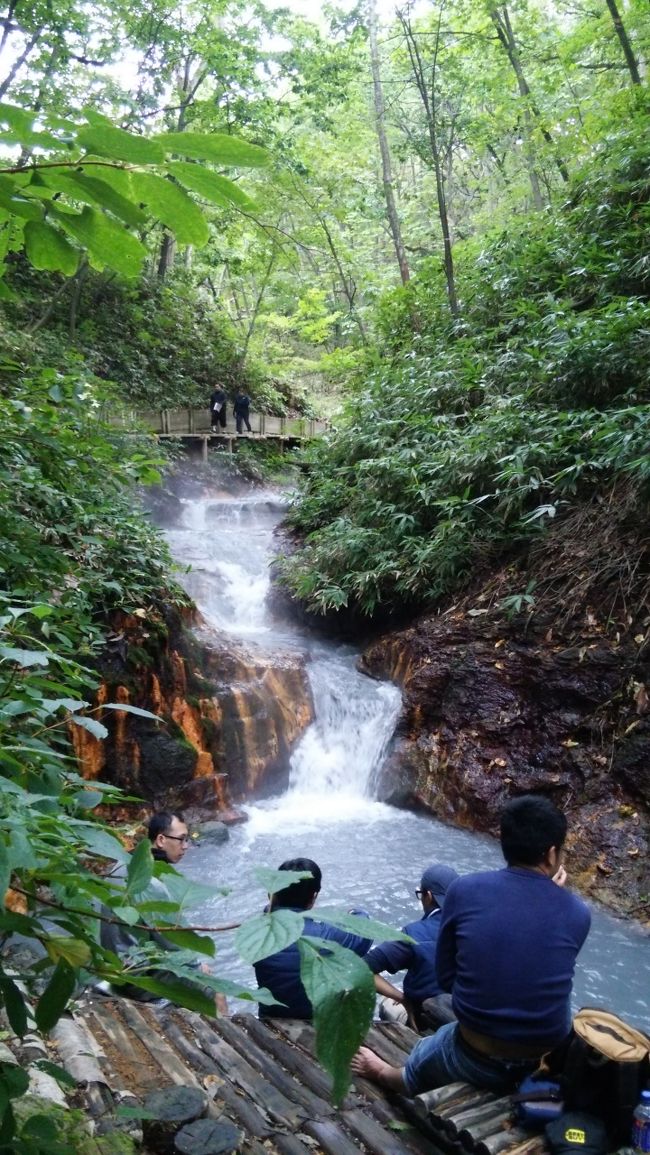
x=204, y=451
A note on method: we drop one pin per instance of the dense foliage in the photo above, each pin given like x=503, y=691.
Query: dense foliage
x=195, y=192
x=465, y=439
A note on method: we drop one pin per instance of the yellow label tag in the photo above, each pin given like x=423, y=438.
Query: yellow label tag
x=574, y=1135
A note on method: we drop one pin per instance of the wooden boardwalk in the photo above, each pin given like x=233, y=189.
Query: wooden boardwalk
x=262, y=1078
x=192, y=426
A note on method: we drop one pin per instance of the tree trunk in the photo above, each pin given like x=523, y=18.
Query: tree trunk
x=167, y=254
x=386, y=165
x=428, y=98
x=501, y=21
x=256, y=308
x=624, y=41
x=19, y=61
x=188, y=88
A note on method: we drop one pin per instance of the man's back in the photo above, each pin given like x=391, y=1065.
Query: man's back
x=507, y=949
x=280, y=972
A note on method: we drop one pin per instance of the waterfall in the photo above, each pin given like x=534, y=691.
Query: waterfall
x=228, y=543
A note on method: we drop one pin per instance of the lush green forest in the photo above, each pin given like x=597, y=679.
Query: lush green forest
x=429, y=224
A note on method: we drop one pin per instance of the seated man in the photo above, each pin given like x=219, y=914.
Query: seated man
x=280, y=972
x=417, y=958
x=507, y=949
x=169, y=838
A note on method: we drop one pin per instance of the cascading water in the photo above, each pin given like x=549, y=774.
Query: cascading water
x=228, y=544
x=371, y=855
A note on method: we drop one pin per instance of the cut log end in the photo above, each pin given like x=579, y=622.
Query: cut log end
x=208, y=1137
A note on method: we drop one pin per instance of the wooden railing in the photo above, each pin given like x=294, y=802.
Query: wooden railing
x=184, y=422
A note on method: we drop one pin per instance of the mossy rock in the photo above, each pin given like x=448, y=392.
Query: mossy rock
x=73, y=1128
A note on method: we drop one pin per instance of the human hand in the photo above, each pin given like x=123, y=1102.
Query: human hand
x=560, y=876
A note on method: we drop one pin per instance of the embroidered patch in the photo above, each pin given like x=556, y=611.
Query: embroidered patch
x=575, y=1135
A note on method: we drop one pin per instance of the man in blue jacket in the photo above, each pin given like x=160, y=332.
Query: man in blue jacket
x=280, y=972
x=507, y=949
x=417, y=958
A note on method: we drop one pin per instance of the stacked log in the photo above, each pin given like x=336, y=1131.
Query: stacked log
x=476, y=1122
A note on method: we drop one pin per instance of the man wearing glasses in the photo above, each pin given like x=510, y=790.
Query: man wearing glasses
x=417, y=958
x=169, y=837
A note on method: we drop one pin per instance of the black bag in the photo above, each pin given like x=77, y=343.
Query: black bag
x=538, y=1100
x=603, y=1067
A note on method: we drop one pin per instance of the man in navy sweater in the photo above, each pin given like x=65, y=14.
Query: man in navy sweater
x=417, y=958
x=507, y=949
x=280, y=972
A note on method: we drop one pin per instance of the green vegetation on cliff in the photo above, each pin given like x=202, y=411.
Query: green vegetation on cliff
x=467, y=436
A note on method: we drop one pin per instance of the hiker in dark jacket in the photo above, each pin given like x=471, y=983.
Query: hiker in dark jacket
x=280, y=972
x=218, y=408
x=417, y=958
x=241, y=411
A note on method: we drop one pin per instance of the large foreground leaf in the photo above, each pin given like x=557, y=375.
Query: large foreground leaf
x=341, y=989
x=266, y=934
x=169, y=203
x=216, y=147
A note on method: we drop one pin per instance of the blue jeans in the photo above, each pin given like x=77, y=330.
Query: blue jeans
x=446, y=1058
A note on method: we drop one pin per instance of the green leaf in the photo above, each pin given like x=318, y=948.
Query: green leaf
x=14, y=1079
x=54, y=999
x=57, y=1072
x=85, y=186
x=183, y=890
x=100, y=841
x=128, y=914
x=14, y=204
x=42, y=1128
x=190, y=997
x=14, y=1004
x=74, y=951
x=190, y=940
x=169, y=203
x=359, y=924
x=131, y=710
x=46, y=248
x=91, y=724
x=210, y=185
x=265, y=934
x=24, y=658
x=275, y=880
x=216, y=147
x=5, y=869
x=140, y=869
x=106, y=139
x=106, y=241
x=341, y=990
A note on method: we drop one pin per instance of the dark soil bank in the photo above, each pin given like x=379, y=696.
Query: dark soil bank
x=551, y=700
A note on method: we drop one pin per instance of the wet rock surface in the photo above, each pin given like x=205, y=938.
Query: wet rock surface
x=229, y=719
x=491, y=711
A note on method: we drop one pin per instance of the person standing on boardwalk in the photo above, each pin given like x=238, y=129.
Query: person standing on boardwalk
x=417, y=958
x=218, y=408
x=506, y=950
x=241, y=411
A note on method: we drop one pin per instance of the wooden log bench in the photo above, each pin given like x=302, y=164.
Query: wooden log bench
x=263, y=1080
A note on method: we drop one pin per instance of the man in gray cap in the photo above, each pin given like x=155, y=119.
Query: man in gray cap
x=417, y=958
